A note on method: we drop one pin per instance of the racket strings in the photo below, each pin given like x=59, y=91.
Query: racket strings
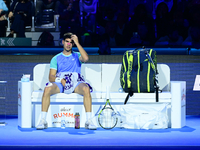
x=108, y=118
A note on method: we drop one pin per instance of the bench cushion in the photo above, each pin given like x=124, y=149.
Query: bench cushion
x=138, y=97
x=37, y=96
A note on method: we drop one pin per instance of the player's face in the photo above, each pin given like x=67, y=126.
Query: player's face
x=67, y=44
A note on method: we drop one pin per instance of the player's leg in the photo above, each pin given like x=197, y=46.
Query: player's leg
x=50, y=89
x=83, y=89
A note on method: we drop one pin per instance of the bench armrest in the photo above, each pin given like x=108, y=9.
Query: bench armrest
x=24, y=104
x=178, y=103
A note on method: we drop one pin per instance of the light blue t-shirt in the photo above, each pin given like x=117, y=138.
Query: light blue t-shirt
x=3, y=5
x=63, y=63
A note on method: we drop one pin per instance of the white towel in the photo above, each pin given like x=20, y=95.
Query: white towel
x=72, y=79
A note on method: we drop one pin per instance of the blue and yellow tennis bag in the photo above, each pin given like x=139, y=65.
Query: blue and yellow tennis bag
x=138, y=72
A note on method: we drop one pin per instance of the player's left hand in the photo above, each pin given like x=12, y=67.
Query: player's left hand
x=63, y=82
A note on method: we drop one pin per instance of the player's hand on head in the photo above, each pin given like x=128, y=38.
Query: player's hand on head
x=74, y=38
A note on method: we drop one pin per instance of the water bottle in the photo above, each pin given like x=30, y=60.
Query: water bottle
x=25, y=78
x=63, y=122
x=77, y=120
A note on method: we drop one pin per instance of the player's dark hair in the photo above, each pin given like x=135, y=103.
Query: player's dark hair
x=67, y=35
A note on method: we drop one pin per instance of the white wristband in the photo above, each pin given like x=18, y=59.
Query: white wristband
x=58, y=80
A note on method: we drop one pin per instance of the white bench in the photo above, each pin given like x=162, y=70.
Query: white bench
x=98, y=76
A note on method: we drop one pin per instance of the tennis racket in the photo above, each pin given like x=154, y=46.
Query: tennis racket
x=107, y=117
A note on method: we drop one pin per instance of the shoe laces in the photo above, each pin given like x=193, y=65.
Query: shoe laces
x=90, y=122
x=42, y=121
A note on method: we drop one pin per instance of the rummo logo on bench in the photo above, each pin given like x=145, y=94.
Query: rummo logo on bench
x=66, y=112
x=69, y=117
x=59, y=115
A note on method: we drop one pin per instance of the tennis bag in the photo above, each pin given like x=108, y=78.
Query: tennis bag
x=138, y=72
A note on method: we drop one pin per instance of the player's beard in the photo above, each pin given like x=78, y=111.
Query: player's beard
x=68, y=50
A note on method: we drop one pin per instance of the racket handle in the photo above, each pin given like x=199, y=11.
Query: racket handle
x=107, y=92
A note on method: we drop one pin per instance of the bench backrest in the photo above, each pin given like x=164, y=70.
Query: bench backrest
x=99, y=76
x=91, y=72
x=111, y=77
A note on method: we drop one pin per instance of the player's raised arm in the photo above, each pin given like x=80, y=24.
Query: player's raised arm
x=84, y=56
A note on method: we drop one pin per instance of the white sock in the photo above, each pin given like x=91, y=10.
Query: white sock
x=43, y=115
x=88, y=115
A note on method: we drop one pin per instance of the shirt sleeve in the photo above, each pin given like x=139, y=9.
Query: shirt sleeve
x=5, y=8
x=53, y=63
x=79, y=55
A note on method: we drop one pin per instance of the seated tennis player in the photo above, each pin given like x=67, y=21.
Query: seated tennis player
x=65, y=77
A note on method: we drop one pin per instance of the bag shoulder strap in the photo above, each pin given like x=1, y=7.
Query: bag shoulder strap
x=127, y=97
x=15, y=7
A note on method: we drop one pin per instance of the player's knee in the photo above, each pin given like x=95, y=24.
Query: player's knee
x=86, y=90
x=47, y=90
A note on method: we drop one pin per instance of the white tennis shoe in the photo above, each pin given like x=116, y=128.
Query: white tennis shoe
x=42, y=125
x=89, y=125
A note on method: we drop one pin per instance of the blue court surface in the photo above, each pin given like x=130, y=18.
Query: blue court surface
x=14, y=137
